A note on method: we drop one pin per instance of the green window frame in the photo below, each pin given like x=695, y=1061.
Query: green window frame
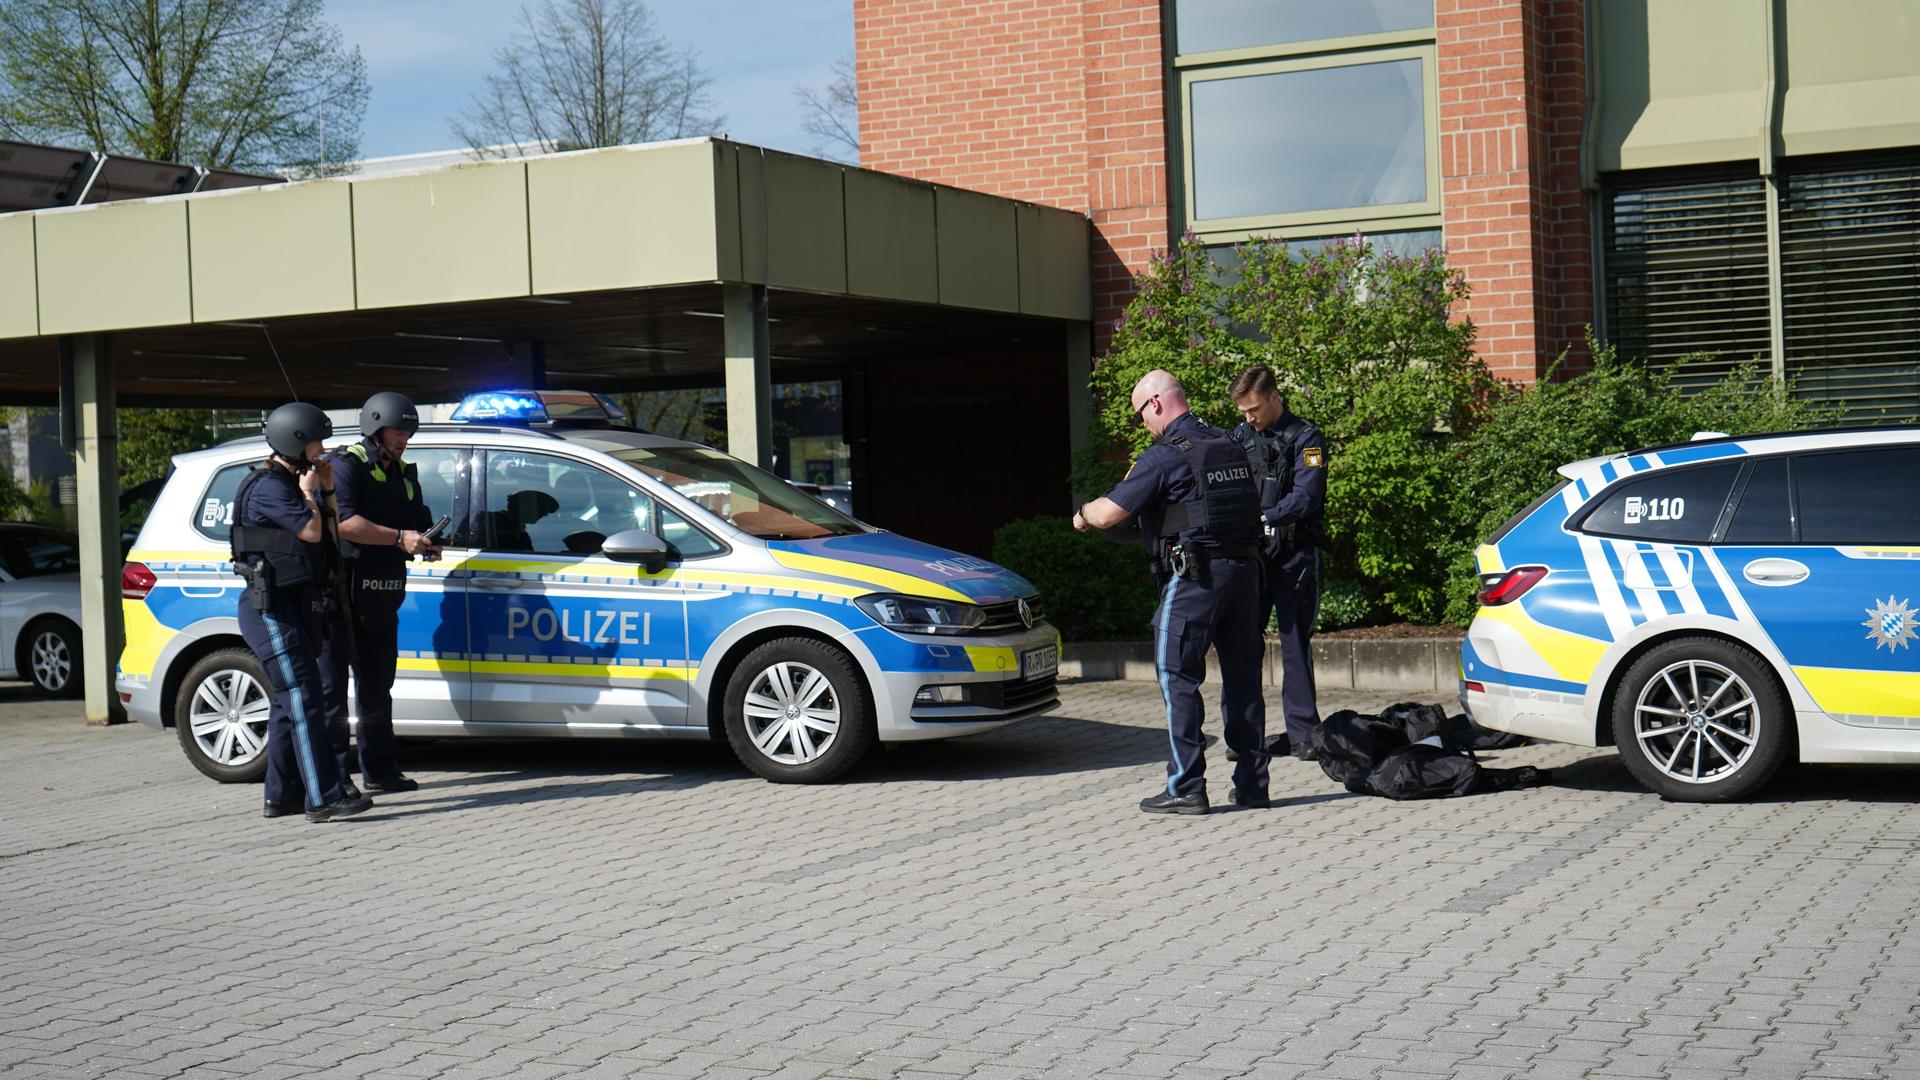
x=1191, y=70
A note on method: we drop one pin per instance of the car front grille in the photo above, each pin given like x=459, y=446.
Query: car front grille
x=1004, y=618
x=1015, y=696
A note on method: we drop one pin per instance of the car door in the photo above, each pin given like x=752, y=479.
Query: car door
x=433, y=682
x=1840, y=597
x=562, y=635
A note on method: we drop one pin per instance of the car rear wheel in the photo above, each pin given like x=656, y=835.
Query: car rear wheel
x=797, y=712
x=1701, y=720
x=221, y=716
x=52, y=652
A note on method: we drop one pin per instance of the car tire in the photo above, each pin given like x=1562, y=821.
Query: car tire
x=797, y=712
x=1701, y=719
x=50, y=657
x=224, y=738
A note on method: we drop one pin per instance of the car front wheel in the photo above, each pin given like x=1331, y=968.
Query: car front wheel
x=797, y=712
x=221, y=716
x=1701, y=720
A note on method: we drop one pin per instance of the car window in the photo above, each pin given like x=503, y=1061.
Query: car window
x=552, y=505
x=750, y=499
x=437, y=469
x=213, y=514
x=1673, y=505
x=1859, y=496
x=32, y=552
x=1763, y=516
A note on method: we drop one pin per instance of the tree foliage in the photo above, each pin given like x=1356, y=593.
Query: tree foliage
x=585, y=73
x=230, y=84
x=832, y=113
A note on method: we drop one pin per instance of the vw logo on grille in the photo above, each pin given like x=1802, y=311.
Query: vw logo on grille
x=1026, y=613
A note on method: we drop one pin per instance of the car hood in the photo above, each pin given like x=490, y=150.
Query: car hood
x=893, y=563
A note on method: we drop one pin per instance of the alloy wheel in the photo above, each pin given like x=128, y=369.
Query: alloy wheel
x=1696, y=721
x=52, y=661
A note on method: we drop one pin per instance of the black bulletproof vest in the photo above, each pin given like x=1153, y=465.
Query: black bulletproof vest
x=1226, y=507
x=384, y=498
x=294, y=561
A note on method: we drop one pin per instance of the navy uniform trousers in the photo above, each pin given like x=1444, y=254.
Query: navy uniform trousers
x=377, y=589
x=1221, y=610
x=1293, y=599
x=300, y=763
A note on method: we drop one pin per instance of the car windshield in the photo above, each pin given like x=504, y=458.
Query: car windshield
x=750, y=499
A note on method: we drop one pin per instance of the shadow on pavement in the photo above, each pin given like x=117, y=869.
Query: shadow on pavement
x=1795, y=783
x=1043, y=746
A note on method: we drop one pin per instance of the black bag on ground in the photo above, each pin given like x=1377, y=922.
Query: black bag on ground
x=1407, y=753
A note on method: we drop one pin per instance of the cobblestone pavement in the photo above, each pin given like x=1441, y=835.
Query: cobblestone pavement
x=992, y=907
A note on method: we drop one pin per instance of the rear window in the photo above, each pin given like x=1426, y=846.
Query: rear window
x=31, y=552
x=1676, y=506
x=1764, y=516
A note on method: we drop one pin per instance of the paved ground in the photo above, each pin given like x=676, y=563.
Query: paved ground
x=992, y=907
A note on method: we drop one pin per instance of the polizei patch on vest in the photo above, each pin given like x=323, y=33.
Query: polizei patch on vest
x=1221, y=476
x=1313, y=457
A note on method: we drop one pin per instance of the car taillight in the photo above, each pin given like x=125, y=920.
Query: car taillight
x=136, y=581
x=1497, y=589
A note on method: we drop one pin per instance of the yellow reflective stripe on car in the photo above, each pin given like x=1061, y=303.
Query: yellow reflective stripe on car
x=1863, y=693
x=145, y=638
x=992, y=658
x=582, y=671
x=429, y=663
x=889, y=580
x=142, y=555
x=1572, y=656
x=1487, y=558
x=563, y=573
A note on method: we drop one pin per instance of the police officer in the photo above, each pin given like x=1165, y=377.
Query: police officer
x=1198, y=510
x=281, y=545
x=382, y=522
x=1289, y=457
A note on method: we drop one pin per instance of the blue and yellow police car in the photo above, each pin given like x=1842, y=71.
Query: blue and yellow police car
x=601, y=581
x=1714, y=609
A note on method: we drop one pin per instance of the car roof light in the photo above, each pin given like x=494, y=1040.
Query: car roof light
x=560, y=408
x=502, y=406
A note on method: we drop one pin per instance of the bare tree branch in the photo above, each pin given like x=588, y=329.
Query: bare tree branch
x=585, y=73
x=833, y=113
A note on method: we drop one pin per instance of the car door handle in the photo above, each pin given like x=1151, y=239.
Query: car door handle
x=1775, y=572
x=488, y=581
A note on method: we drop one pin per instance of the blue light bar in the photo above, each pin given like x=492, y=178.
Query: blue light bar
x=502, y=406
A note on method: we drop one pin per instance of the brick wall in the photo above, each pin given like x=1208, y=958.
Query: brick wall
x=1512, y=93
x=1059, y=102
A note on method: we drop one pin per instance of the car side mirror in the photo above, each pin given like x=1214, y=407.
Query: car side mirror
x=636, y=546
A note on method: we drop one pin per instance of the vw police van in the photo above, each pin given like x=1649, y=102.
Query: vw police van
x=1714, y=609
x=599, y=581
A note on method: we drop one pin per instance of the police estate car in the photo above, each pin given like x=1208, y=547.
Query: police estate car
x=601, y=581
x=1714, y=609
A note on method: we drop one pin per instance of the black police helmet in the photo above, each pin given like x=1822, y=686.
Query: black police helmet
x=389, y=409
x=293, y=425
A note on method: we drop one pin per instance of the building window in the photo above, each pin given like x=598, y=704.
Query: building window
x=1686, y=260
x=1307, y=118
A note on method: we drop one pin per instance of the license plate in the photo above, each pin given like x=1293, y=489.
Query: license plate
x=1035, y=662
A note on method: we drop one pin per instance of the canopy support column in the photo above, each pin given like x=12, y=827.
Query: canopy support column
x=749, y=374
x=89, y=424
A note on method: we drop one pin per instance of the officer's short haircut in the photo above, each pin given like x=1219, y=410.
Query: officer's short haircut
x=1257, y=379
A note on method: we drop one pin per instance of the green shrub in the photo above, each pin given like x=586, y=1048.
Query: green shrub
x=1092, y=588
x=1343, y=604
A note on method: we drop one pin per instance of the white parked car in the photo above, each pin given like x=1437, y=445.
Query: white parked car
x=40, y=607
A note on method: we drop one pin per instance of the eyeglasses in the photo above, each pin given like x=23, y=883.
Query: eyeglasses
x=1140, y=414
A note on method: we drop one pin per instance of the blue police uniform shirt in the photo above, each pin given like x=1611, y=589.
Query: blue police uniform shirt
x=274, y=500
x=1160, y=476
x=1307, y=499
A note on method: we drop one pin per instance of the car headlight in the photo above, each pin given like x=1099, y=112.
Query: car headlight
x=918, y=615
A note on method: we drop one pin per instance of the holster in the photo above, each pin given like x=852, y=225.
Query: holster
x=259, y=579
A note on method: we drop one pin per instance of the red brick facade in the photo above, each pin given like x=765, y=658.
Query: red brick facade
x=1061, y=102
x=1512, y=77
x=1064, y=102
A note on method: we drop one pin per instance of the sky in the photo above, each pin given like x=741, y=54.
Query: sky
x=426, y=59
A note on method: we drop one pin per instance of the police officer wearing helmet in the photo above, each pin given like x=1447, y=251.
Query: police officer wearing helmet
x=1289, y=458
x=1199, y=512
x=282, y=547
x=382, y=522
